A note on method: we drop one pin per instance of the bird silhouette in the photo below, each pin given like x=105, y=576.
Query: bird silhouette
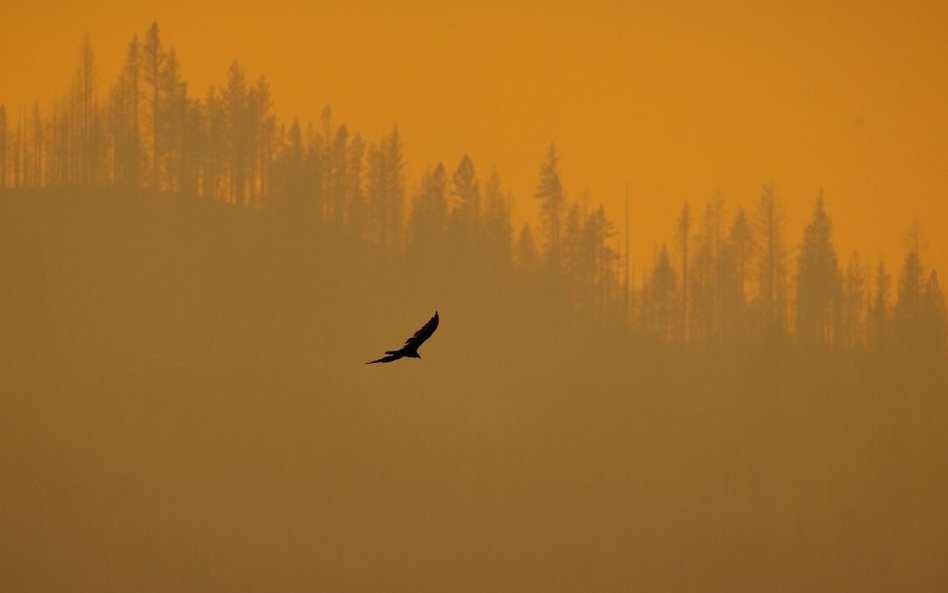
x=410, y=349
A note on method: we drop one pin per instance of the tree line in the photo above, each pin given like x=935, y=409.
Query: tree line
x=724, y=279
x=730, y=280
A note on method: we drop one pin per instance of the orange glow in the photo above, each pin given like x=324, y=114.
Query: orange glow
x=675, y=99
x=188, y=298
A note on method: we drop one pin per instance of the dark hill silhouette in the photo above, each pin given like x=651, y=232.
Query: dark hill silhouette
x=156, y=351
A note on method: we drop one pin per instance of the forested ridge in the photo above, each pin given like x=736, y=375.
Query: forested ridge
x=190, y=290
x=725, y=276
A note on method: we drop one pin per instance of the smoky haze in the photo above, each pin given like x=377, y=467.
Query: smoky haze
x=191, y=288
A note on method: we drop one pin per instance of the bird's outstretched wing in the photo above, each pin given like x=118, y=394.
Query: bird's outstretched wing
x=389, y=358
x=421, y=335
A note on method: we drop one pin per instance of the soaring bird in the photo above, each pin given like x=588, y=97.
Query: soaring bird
x=410, y=349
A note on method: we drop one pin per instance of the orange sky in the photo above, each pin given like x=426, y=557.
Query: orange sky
x=677, y=99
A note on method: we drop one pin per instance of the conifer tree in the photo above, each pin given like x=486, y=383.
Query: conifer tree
x=153, y=60
x=428, y=224
x=215, y=151
x=684, y=231
x=355, y=205
x=173, y=132
x=853, y=308
x=86, y=146
x=740, y=245
x=395, y=186
x=771, y=263
x=497, y=226
x=552, y=201
x=602, y=259
x=237, y=134
x=386, y=188
x=126, y=137
x=264, y=137
x=336, y=163
x=708, y=281
x=878, y=323
x=908, y=316
x=526, y=253
x=934, y=336
x=3, y=146
x=818, y=280
x=575, y=269
x=465, y=189
x=659, y=314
